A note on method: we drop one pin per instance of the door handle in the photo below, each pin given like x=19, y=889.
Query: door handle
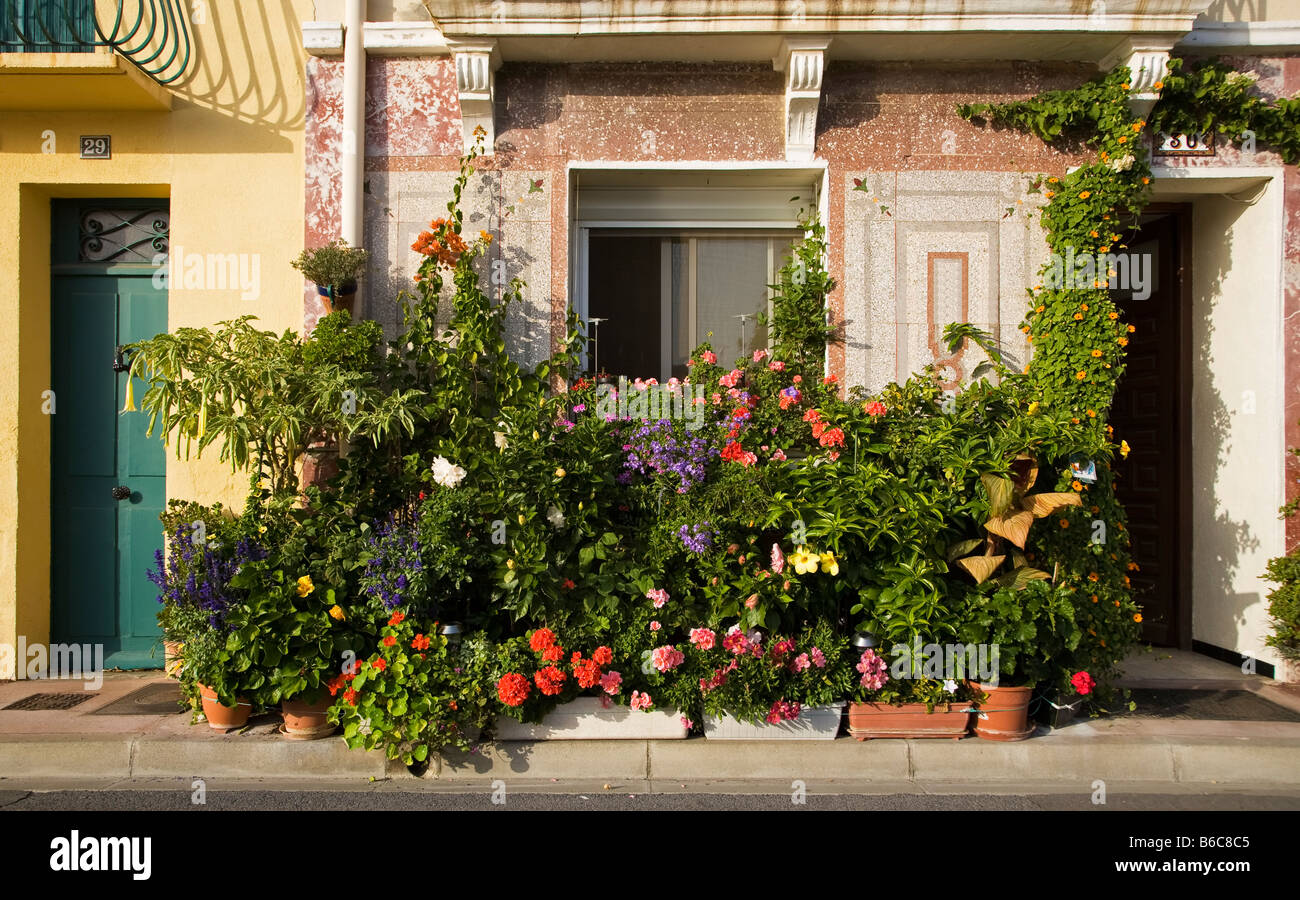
x=121, y=492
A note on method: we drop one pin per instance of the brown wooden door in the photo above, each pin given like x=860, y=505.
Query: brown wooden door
x=1150, y=413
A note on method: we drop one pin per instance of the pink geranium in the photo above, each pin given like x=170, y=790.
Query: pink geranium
x=655, y=626
x=703, y=638
x=818, y=658
x=667, y=657
x=760, y=355
x=801, y=662
x=709, y=357
x=611, y=682
x=641, y=701
x=875, y=408
x=659, y=596
x=776, y=365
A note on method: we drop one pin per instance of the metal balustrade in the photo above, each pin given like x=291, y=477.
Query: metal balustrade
x=152, y=34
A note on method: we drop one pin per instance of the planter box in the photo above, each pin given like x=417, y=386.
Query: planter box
x=588, y=719
x=816, y=723
x=911, y=720
x=1058, y=714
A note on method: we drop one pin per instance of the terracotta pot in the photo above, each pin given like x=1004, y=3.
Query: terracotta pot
x=173, y=659
x=221, y=717
x=320, y=463
x=306, y=720
x=1004, y=716
x=910, y=720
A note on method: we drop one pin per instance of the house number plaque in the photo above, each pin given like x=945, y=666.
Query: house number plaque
x=96, y=146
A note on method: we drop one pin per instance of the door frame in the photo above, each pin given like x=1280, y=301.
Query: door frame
x=1180, y=632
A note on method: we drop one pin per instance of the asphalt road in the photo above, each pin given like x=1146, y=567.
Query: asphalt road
x=181, y=798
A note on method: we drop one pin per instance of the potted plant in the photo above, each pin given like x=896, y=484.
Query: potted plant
x=335, y=268
x=774, y=689
x=1033, y=629
x=902, y=701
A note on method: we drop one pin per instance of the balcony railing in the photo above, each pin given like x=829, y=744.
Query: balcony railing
x=153, y=34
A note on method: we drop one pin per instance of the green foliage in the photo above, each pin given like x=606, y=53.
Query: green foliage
x=332, y=265
x=798, y=325
x=1211, y=96
x=1284, y=605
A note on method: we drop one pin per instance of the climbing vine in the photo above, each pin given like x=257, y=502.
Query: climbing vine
x=1075, y=328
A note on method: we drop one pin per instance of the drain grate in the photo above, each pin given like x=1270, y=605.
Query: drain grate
x=51, y=701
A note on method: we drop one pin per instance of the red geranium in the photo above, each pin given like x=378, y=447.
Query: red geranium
x=553, y=653
x=588, y=673
x=603, y=656
x=550, y=681
x=397, y=619
x=390, y=641
x=513, y=689
x=421, y=642
x=380, y=664
x=1083, y=682
x=350, y=696
x=541, y=639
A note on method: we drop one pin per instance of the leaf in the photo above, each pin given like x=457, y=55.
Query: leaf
x=1000, y=490
x=981, y=567
x=1014, y=527
x=963, y=547
x=1019, y=578
x=1046, y=504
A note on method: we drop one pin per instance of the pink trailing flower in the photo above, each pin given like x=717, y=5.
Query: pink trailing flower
x=779, y=455
x=703, y=638
x=776, y=365
x=873, y=670
x=735, y=640
x=801, y=662
x=717, y=398
x=730, y=379
x=655, y=626
x=760, y=355
x=641, y=701
x=687, y=723
x=611, y=682
x=875, y=408
x=667, y=657
x=659, y=596
x=818, y=658
x=778, y=558
x=783, y=710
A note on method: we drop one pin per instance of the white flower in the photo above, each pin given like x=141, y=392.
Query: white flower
x=950, y=686
x=500, y=438
x=555, y=517
x=1122, y=163
x=447, y=473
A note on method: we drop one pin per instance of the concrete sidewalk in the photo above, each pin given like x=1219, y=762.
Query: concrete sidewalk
x=76, y=746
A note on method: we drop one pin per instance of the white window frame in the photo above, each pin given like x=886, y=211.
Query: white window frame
x=816, y=175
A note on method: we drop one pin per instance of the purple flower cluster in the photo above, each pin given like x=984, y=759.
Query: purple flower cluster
x=198, y=575
x=394, y=562
x=657, y=449
x=696, y=538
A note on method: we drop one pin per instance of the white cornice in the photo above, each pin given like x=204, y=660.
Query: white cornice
x=323, y=38
x=405, y=39
x=1218, y=37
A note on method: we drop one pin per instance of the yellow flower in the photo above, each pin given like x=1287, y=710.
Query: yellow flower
x=1084, y=195
x=1138, y=126
x=1078, y=317
x=1033, y=408
x=1096, y=354
x=1123, y=140
x=804, y=561
x=1081, y=375
x=1124, y=449
x=1123, y=342
x=1053, y=180
x=1112, y=316
x=829, y=564
x=1083, y=306
x=487, y=238
x=521, y=518
x=336, y=613
x=1137, y=617
x=261, y=529
x=305, y=586
x=1041, y=309
x=559, y=473
x=510, y=563
x=1132, y=329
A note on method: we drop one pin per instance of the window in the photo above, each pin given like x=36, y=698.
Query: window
x=44, y=26
x=653, y=295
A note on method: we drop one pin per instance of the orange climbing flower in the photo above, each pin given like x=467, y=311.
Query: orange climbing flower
x=1096, y=354
x=1137, y=617
x=1081, y=375
x=1112, y=316
x=1093, y=577
x=1131, y=329
x=1065, y=523
x=1078, y=317
x=1077, y=486
x=1084, y=195
x=1123, y=342
x=1159, y=85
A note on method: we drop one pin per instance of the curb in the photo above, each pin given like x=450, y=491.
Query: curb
x=1054, y=758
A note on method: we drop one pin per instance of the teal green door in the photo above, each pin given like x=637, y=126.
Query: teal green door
x=108, y=479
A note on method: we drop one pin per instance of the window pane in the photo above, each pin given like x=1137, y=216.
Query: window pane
x=732, y=281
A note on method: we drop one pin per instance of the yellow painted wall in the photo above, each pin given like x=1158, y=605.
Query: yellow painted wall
x=230, y=157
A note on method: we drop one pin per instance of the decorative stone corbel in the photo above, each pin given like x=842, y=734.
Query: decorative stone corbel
x=476, y=66
x=1147, y=65
x=803, y=60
